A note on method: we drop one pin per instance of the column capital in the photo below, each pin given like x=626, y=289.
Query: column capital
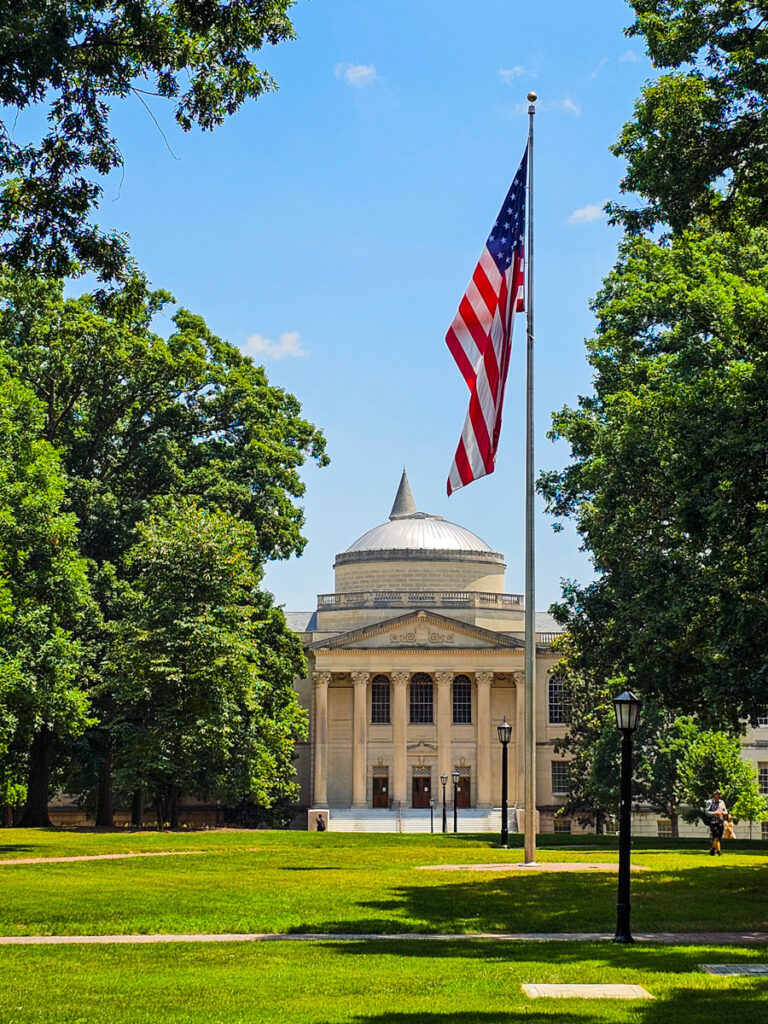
x=360, y=678
x=443, y=678
x=321, y=679
x=400, y=678
x=483, y=678
x=518, y=678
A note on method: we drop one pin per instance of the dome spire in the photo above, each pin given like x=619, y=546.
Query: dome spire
x=404, y=505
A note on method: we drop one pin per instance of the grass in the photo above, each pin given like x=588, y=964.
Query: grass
x=278, y=881
x=304, y=882
x=369, y=983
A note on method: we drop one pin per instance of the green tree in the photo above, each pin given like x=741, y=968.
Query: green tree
x=668, y=482
x=73, y=61
x=205, y=667
x=752, y=806
x=136, y=416
x=713, y=761
x=662, y=743
x=696, y=145
x=44, y=600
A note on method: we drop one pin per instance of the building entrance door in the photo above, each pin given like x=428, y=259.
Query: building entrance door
x=462, y=794
x=381, y=791
x=421, y=791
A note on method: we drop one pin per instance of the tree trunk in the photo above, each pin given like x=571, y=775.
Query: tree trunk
x=137, y=808
x=173, y=806
x=38, y=781
x=105, y=817
x=7, y=816
x=159, y=810
x=674, y=820
x=600, y=823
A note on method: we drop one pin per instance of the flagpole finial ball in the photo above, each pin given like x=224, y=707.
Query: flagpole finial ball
x=532, y=97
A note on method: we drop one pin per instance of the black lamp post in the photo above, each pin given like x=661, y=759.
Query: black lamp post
x=627, y=709
x=431, y=816
x=455, y=776
x=444, y=780
x=505, y=733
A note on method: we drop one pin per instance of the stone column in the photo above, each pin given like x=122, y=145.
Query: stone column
x=444, y=722
x=484, y=680
x=360, y=740
x=321, y=681
x=399, y=732
x=520, y=737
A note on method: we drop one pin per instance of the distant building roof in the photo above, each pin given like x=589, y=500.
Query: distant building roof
x=301, y=622
x=409, y=530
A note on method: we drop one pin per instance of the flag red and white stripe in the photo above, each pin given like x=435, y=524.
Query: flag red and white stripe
x=480, y=337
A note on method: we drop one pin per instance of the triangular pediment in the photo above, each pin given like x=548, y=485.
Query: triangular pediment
x=416, y=630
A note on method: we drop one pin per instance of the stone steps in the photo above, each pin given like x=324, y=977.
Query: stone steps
x=409, y=820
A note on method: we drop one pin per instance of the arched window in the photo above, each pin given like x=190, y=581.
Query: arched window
x=380, y=700
x=559, y=713
x=462, y=700
x=422, y=703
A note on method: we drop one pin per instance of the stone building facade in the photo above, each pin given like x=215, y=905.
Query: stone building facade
x=414, y=660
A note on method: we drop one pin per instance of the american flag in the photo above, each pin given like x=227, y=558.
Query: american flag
x=480, y=337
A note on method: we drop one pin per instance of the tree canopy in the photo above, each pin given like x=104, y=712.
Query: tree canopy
x=138, y=418
x=44, y=597
x=74, y=61
x=668, y=483
x=696, y=145
x=203, y=667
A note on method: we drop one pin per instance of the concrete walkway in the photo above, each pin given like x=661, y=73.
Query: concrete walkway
x=668, y=938
x=98, y=856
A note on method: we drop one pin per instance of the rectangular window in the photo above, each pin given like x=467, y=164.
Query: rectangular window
x=558, y=712
x=561, y=827
x=762, y=721
x=559, y=777
x=762, y=777
x=380, y=701
x=462, y=701
x=764, y=829
x=422, y=710
x=664, y=828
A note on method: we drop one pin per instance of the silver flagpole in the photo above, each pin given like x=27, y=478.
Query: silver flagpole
x=530, y=562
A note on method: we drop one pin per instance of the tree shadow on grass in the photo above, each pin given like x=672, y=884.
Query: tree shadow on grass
x=16, y=848
x=662, y=900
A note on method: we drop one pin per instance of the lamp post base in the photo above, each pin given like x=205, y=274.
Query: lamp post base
x=623, y=934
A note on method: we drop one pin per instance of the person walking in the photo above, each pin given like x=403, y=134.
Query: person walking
x=716, y=813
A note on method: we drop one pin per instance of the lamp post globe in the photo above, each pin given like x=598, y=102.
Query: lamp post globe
x=504, y=730
x=455, y=776
x=626, y=708
x=444, y=781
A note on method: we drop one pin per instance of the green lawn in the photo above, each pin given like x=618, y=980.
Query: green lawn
x=368, y=983
x=280, y=881
x=303, y=882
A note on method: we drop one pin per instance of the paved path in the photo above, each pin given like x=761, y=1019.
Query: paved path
x=670, y=938
x=99, y=856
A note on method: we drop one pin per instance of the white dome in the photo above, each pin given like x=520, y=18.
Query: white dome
x=419, y=532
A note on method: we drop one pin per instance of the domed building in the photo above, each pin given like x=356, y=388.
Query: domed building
x=414, y=660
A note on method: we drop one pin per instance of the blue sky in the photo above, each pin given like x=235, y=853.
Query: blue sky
x=330, y=230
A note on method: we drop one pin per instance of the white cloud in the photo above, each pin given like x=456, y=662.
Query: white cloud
x=630, y=57
x=264, y=348
x=358, y=75
x=592, y=211
x=569, y=106
x=599, y=67
x=509, y=74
